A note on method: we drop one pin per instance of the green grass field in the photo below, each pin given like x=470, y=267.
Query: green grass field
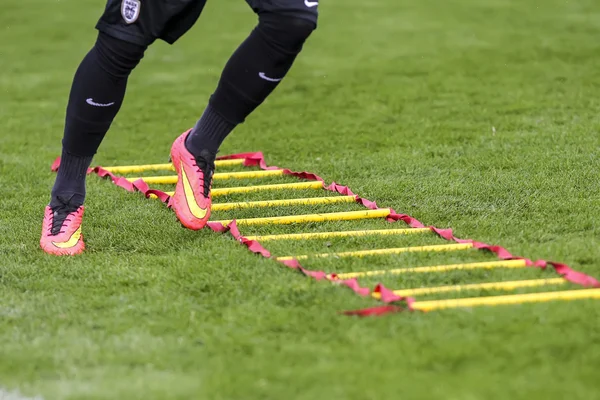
x=476, y=115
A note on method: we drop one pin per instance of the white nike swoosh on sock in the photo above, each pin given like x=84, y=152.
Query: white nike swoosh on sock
x=91, y=102
x=266, y=78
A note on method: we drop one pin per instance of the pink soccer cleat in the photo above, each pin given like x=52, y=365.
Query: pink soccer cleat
x=191, y=200
x=61, y=231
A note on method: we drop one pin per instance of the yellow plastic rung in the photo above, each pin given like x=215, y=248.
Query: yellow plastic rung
x=508, y=285
x=259, y=188
x=286, y=202
x=216, y=177
x=432, y=305
x=301, y=219
x=398, y=250
x=129, y=169
x=327, y=235
x=437, y=268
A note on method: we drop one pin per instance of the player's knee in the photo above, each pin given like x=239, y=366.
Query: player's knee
x=116, y=56
x=286, y=33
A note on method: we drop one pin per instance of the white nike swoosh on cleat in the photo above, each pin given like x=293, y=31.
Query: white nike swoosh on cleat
x=91, y=102
x=311, y=3
x=266, y=78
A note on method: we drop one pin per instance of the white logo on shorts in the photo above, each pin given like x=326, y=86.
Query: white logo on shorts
x=130, y=10
x=311, y=3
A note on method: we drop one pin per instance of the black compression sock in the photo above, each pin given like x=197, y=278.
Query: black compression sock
x=97, y=93
x=70, y=179
x=209, y=133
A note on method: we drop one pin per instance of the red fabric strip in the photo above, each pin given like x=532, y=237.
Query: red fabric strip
x=375, y=311
x=569, y=274
x=387, y=296
x=233, y=229
x=353, y=285
x=295, y=264
x=55, y=165
x=255, y=247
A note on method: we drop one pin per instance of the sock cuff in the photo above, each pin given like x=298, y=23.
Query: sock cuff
x=213, y=122
x=72, y=165
x=210, y=131
x=226, y=101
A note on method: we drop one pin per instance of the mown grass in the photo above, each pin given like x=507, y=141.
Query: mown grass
x=480, y=116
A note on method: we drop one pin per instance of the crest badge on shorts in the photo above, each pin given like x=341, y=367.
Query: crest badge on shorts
x=130, y=10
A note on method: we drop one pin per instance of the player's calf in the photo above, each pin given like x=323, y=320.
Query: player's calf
x=251, y=74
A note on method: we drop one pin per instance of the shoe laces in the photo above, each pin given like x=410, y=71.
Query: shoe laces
x=60, y=215
x=207, y=166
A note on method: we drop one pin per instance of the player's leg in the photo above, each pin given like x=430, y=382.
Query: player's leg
x=96, y=96
x=255, y=69
x=126, y=28
x=251, y=74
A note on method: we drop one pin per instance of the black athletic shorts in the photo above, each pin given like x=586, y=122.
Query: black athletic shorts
x=143, y=21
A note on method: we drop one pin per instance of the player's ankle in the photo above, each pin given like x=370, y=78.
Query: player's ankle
x=70, y=180
x=208, y=134
x=72, y=200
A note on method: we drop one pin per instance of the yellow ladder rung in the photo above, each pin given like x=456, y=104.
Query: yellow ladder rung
x=301, y=219
x=437, y=268
x=259, y=188
x=285, y=202
x=432, y=305
x=129, y=169
x=327, y=235
x=508, y=285
x=216, y=177
x=398, y=250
